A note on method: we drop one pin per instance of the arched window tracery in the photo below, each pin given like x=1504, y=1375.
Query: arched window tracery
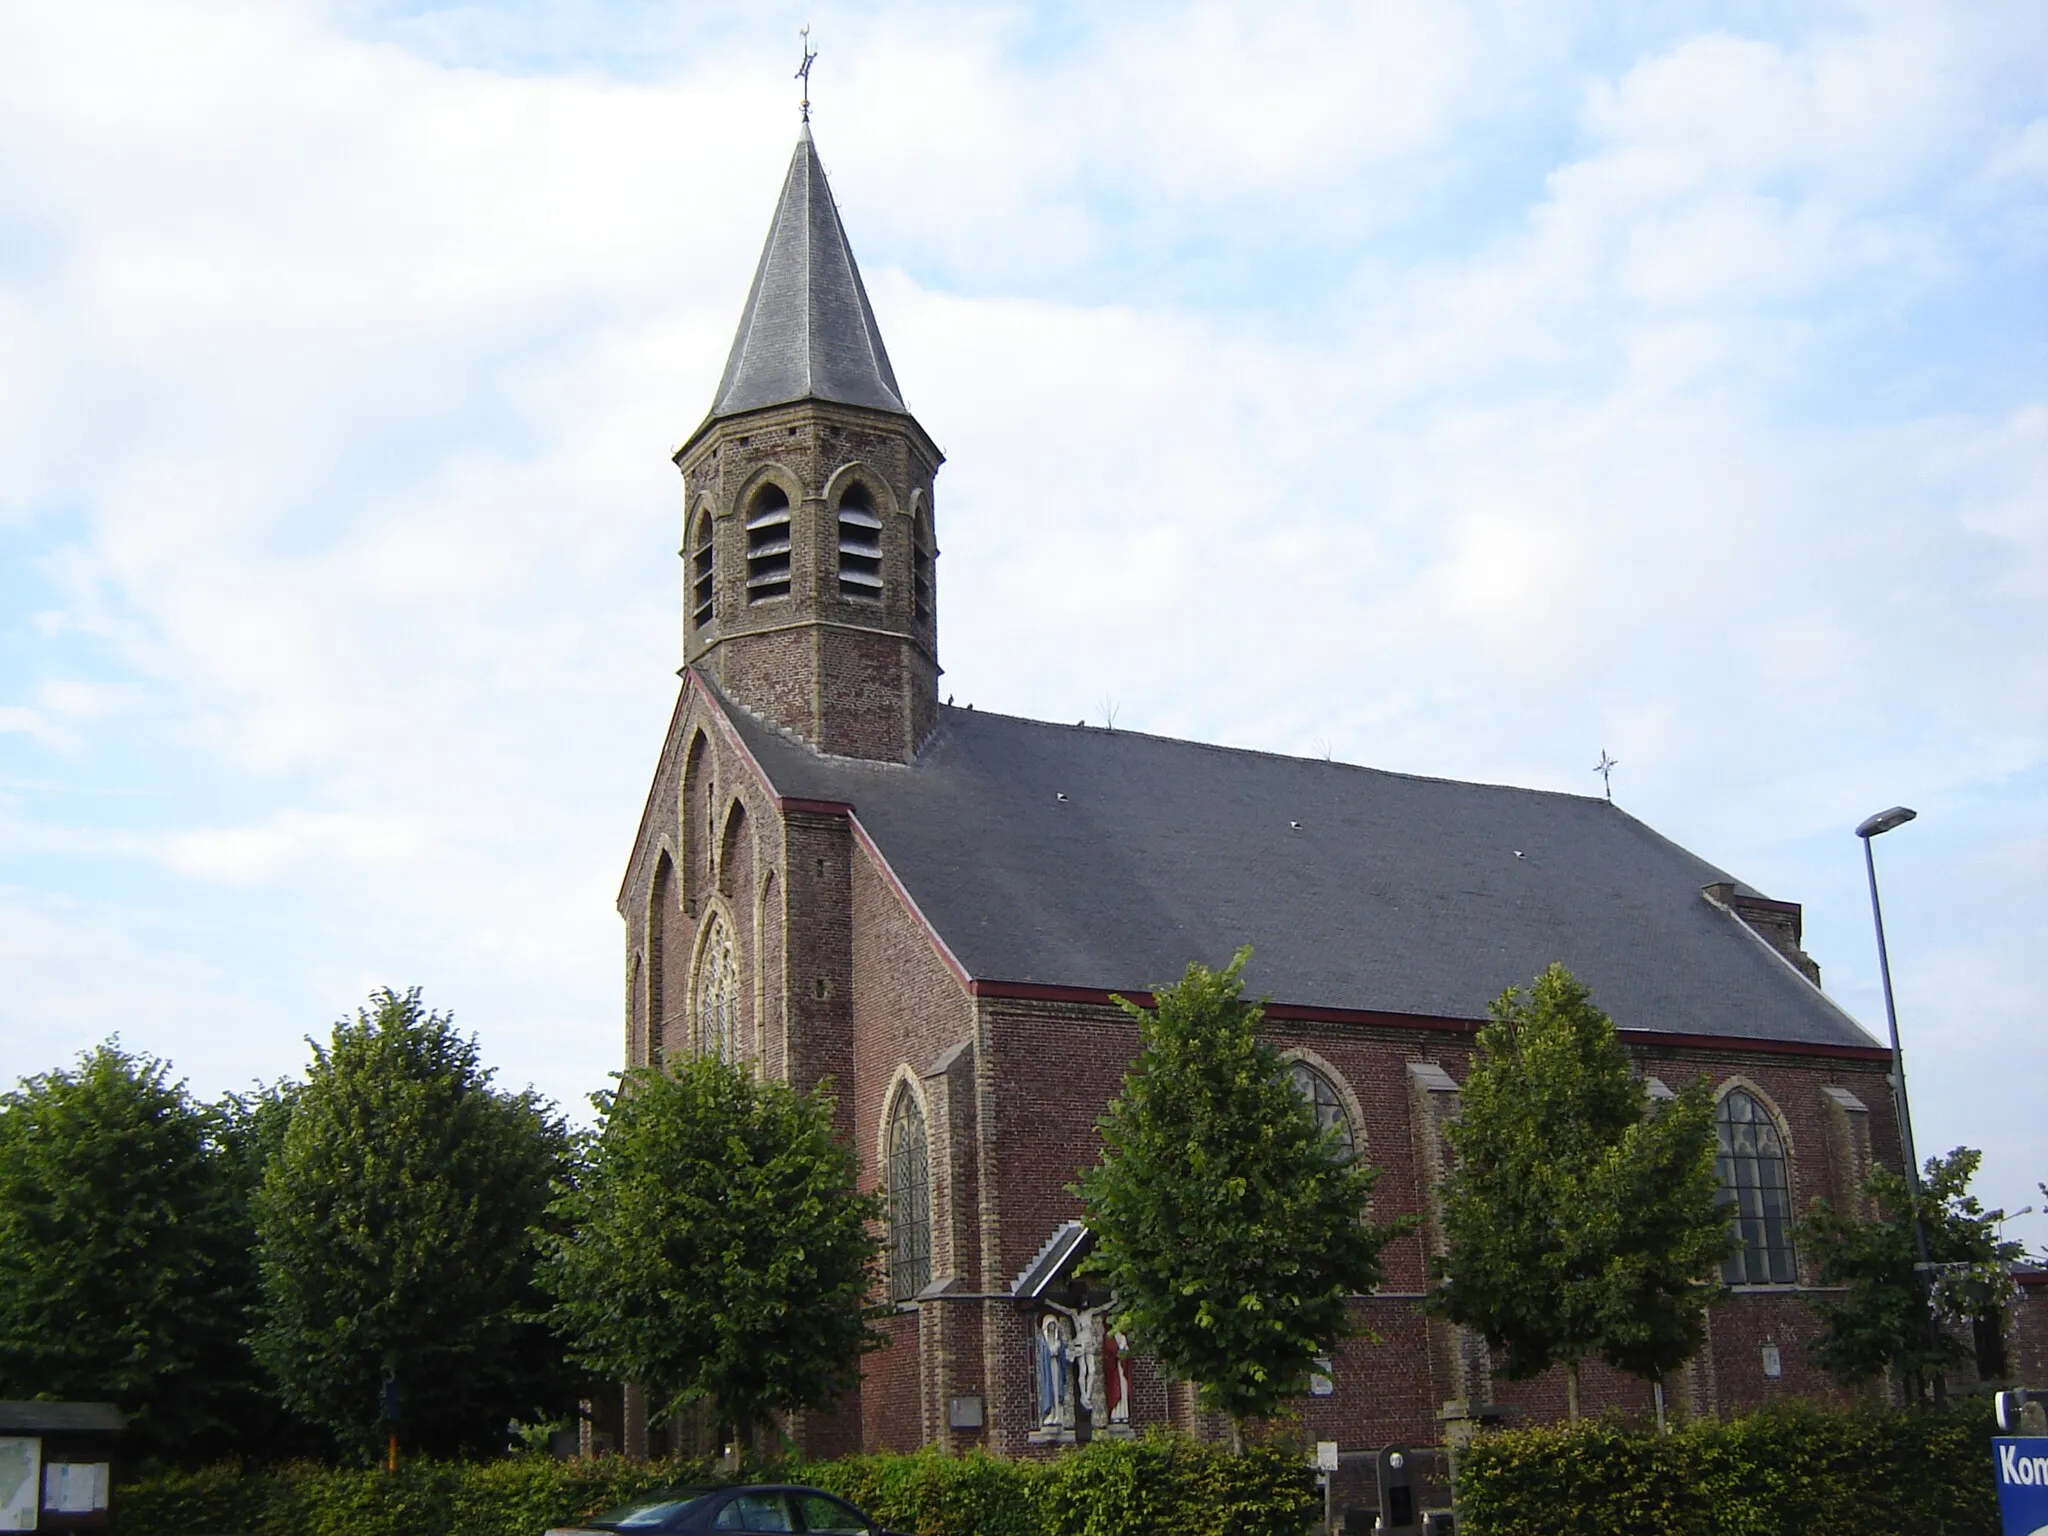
x=1321, y=1095
x=1756, y=1186
x=909, y=1184
x=718, y=994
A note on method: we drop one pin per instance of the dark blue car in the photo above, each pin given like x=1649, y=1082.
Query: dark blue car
x=754, y=1507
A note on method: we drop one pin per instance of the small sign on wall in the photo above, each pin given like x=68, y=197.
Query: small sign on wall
x=1322, y=1380
x=963, y=1413
x=1774, y=1363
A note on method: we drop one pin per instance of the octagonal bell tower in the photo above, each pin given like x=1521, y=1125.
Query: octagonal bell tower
x=810, y=592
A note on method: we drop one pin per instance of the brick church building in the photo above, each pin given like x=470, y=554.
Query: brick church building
x=839, y=877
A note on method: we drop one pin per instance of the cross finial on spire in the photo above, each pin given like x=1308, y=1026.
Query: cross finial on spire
x=804, y=71
x=1605, y=768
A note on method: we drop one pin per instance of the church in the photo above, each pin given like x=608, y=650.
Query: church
x=838, y=877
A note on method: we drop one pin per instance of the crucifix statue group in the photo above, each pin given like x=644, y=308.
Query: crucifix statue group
x=1100, y=1377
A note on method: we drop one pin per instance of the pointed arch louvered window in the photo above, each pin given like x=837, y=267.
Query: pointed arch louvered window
x=860, y=546
x=1757, y=1188
x=921, y=562
x=768, y=545
x=910, y=1198
x=703, y=589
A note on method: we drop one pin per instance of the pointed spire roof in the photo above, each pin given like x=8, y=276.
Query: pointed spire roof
x=807, y=332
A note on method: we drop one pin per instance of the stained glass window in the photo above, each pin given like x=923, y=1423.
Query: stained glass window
x=910, y=1199
x=718, y=995
x=1320, y=1094
x=1756, y=1188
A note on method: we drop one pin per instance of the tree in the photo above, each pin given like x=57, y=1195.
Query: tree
x=122, y=1243
x=396, y=1226
x=256, y=1424
x=1230, y=1227
x=716, y=1248
x=1578, y=1221
x=1881, y=1326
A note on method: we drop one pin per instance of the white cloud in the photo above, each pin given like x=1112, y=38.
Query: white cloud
x=346, y=367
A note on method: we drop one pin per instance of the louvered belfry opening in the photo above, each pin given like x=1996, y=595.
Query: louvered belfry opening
x=703, y=589
x=768, y=546
x=860, y=546
x=921, y=570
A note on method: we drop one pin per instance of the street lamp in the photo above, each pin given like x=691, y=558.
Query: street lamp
x=1871, y=827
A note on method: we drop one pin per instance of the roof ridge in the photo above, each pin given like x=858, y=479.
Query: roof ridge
x=1284, y=757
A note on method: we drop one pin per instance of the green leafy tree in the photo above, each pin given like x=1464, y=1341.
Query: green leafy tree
x=123, y=1272
x=1578, y=1220
x=396, y=1217
x=255, y=1423
x=715, y=1248
x=1881, y=1326
x=1230, y=1227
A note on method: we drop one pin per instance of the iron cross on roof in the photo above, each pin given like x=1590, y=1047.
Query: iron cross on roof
x=804, y=71
x=1605, y=768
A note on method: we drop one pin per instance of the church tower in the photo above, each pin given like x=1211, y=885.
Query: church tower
x=808, y=550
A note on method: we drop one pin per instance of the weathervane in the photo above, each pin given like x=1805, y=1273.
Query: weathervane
x=1605, y=768
x=804, y=74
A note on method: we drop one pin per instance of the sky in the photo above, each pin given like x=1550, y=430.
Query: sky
x=1458, y=388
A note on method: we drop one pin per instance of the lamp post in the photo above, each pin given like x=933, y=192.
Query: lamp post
x=1871, y=827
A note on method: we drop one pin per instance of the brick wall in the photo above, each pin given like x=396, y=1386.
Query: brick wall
x=709, y=840
x=2026, y=1337
x=1057, y=1065
x=915, y=1034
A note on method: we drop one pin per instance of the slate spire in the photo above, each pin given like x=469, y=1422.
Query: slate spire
x=808, y=332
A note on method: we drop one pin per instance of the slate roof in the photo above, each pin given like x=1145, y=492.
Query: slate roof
x=1070, y=1243
x=808, y=332
x=1073, y=856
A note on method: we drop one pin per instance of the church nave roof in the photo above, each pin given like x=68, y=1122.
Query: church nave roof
x=1073, y=856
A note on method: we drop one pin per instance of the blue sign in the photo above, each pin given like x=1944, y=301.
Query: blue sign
x=2022, y=1484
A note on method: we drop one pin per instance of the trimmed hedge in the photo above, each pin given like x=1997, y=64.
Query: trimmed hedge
x=1162, y=1485
x=1791, y=1471
x=521, y=1496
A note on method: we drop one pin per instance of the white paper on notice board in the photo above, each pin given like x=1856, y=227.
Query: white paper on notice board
x=75, y=1487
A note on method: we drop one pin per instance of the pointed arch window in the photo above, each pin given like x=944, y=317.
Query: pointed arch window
x=768, y=545
x=1756, y=1186
x=703, y=590
x=921, y=569
x=1321, y=1095
x=717, y=1008
x=910, y=1198
x=860, y=546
